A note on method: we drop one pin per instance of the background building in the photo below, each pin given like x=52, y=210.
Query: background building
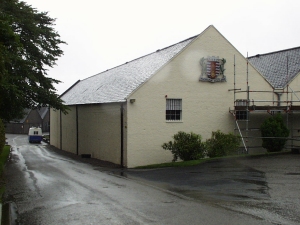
x=32, y=118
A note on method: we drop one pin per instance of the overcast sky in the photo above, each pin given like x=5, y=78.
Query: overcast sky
x=102, y=34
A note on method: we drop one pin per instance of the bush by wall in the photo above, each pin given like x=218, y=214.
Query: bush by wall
x=186, y=146
x=221, y=144
x=274, y=127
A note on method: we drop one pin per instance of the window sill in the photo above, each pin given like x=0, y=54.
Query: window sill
x=174, y=121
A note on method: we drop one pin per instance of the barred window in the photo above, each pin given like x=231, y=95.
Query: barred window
x=241, y=115
x=173, y=109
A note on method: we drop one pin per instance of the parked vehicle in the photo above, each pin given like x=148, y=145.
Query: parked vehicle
x=35, y=135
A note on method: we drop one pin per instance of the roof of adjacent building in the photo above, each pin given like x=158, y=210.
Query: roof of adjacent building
x=43, y=111
x=26, y=113
x=280, y=67
x=116, y=84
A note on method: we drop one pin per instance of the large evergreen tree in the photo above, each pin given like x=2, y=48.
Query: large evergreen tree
x=28, y=46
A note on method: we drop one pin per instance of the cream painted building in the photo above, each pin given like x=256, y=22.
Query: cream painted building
x=124, y=115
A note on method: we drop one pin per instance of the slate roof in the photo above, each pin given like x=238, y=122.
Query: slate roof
x=116, y=84
x=280, y=67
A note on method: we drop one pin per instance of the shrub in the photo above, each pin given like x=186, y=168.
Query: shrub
x=2, y=135
x=186, y=146
x=221, y=144
x=4, y=154
x=274, y=127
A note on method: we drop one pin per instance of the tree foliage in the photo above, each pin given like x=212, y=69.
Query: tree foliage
x=28, y=46
x=186, y=146
x=274, y=127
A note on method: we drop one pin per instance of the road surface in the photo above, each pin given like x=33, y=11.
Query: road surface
x=52, y=188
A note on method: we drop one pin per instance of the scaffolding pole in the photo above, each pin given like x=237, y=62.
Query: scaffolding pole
x=287, y=88
x=248, y=101
x=245, y=146
x=234, y=85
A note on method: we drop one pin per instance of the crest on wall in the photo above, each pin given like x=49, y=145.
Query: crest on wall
x=212, y=69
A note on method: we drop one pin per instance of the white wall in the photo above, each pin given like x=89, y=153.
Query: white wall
x=205, y=105
x=100, y=131
x=55, y=128
x=69, y=131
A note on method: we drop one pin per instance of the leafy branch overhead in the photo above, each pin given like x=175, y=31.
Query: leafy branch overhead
x=28, y=46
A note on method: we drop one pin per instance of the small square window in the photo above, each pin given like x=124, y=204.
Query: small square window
x=241, y=115
x=173, y=109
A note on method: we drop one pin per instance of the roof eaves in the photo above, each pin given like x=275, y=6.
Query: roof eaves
x=97, y=103
x=70, y=88
x=275, y=52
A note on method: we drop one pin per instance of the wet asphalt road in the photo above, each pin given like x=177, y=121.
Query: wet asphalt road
x=267, y=187
x=54, y=187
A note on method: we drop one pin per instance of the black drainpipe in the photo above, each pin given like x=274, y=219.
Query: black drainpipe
x=122, y=135
x=76, y=129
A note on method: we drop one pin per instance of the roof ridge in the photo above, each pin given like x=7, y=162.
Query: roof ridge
x=117, y=83
x=177, y=43
x=269, y=53
x=158, y=50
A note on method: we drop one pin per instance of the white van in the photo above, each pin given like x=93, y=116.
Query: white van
x=35, y=134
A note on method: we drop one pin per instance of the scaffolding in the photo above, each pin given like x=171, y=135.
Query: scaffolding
x=288, y=106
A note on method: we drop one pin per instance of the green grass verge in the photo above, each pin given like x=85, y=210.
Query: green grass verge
x=197, y=162
x=3, y=159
